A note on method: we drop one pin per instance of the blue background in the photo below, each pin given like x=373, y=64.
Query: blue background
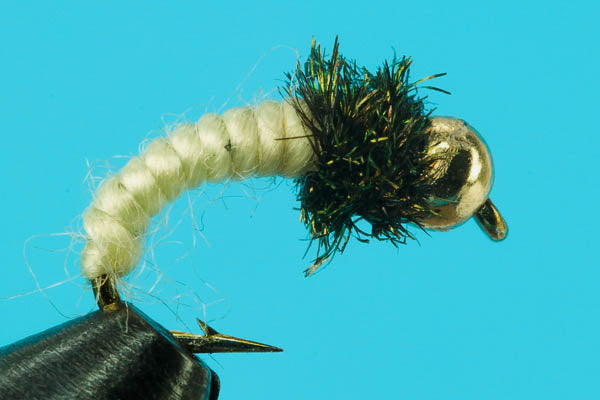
x=454, y=316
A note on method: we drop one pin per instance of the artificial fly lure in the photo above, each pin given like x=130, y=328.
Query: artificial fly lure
x=362, y=147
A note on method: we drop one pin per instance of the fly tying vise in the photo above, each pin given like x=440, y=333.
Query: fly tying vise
x=361, y=146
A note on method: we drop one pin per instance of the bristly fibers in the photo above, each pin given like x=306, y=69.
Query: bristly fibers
x=368, y=132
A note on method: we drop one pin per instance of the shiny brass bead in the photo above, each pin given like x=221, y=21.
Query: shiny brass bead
x=461, y=176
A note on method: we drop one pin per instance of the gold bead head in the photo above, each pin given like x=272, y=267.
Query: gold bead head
x=461, y=177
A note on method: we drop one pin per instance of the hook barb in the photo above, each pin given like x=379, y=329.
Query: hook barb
x=214, y=342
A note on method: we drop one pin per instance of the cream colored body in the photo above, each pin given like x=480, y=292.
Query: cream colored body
x=241, y=143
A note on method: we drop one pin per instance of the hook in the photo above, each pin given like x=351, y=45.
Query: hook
x=108, y=299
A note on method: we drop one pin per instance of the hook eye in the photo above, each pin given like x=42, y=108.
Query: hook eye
x=491, y=221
